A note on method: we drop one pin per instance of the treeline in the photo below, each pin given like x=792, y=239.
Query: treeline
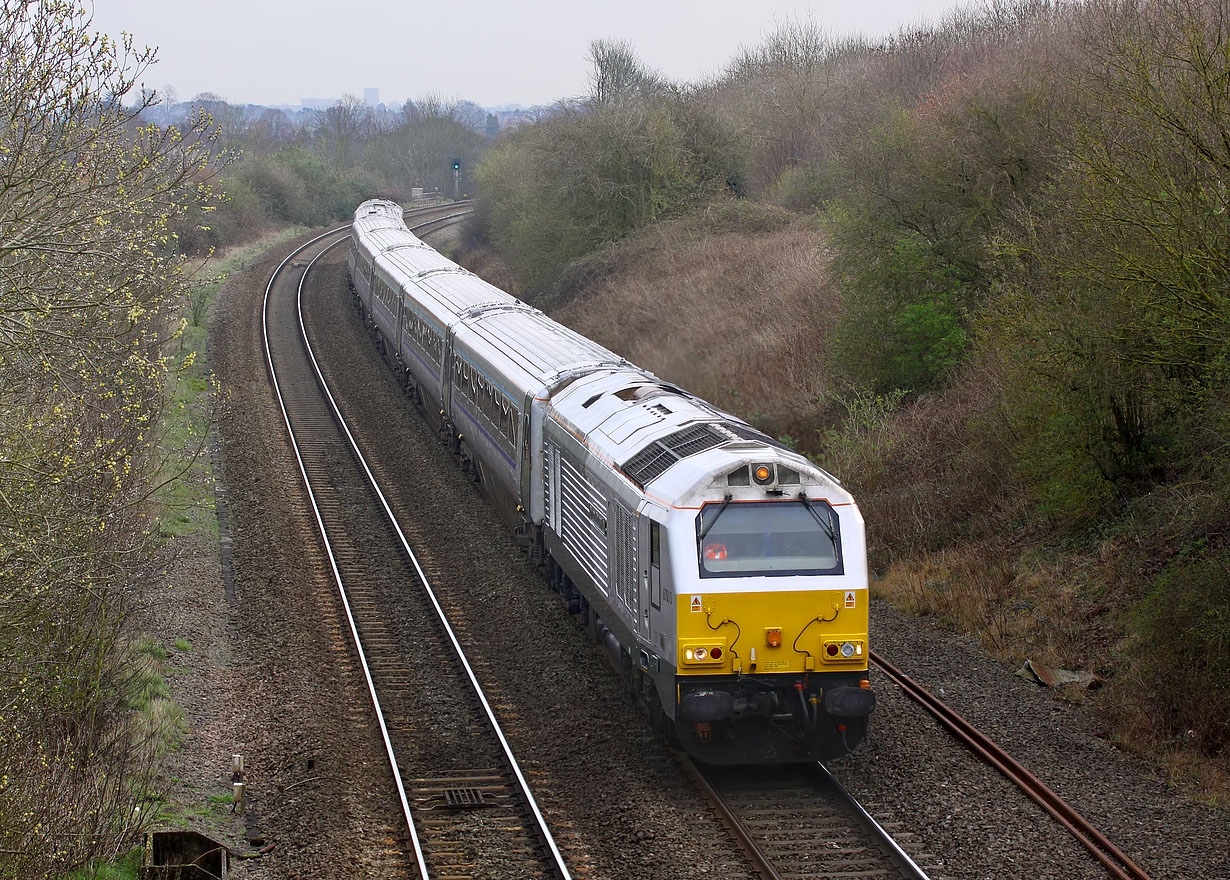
x=317, y=170
x=1025, y=211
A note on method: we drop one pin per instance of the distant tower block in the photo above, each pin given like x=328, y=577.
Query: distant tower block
x=371, y=97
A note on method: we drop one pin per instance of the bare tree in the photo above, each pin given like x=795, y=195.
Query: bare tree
x=339, y=128
x=233, y=122
x=470, y=115
x=167, y=96
x=272, y=130
x=617, y=75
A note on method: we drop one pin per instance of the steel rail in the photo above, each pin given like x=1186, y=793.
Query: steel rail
x=726, y=815
x=524, y=786
x=905, y=862
x=525, y=793
x=761, y=862
x=1112, y=858
x=420, y=859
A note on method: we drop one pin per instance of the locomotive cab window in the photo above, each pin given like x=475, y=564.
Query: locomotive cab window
x=773, y=538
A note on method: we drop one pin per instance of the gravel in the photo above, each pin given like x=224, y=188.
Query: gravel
x=971, y=817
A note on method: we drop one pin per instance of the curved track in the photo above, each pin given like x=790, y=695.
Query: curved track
x=467, y=807
x=1114, y=859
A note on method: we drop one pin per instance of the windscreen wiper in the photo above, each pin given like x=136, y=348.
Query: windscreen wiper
x=823, y=521
x=713, y=521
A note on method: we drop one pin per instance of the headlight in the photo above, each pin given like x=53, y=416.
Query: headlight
x=842, y=650
x=709, y=654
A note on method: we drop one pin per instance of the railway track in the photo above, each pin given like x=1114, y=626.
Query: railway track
x=1116, y=862
x=467, y=806
x=797, y=821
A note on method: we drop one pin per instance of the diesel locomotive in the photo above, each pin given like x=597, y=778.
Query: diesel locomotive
x=726, y=574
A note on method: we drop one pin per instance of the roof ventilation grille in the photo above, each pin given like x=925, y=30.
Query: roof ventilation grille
x=656, y=458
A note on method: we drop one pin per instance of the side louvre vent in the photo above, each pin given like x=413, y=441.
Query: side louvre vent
x=656, y=458
x=624, y=552
x=582, y=519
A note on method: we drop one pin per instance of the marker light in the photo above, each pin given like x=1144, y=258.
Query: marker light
x=763, y=474
x=842, y=650
x=709, y=655
x=773, y=637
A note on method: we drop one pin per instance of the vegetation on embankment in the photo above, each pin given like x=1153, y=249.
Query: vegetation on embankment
x=105, y=402
x=317, y=171
x=995, y=303
x=91, y=293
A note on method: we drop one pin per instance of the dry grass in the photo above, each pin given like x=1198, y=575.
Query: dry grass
x=739, y=320
x=1019, y=609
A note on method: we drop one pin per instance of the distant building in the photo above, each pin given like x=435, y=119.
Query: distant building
x=317, y=103
x=371, y=97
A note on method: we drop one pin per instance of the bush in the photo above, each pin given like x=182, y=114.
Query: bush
x=283, y=192
x=800, y=188
x=301, y=188
x=1181, y=647
x=904, y=321
x=562, y=188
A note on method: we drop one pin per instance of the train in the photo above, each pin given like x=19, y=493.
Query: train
x=725, y=572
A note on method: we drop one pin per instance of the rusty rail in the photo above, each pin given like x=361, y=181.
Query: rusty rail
x=1114, y=859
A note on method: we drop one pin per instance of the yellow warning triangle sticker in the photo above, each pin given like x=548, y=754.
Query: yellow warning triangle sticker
x=849, y=598
x=695, y=604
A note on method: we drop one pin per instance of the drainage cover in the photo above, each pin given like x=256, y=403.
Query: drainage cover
x=463, y=798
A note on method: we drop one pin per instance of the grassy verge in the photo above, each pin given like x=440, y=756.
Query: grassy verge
x=126, y=867
x=186, y=498
x=187, y=517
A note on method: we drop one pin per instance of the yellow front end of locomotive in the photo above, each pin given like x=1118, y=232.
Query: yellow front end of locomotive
x=772, y=632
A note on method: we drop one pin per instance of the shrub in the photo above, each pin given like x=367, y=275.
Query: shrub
x=800, y=188
x=562, y=188
x=1180, y=644
x=300, y=187
x=903, y=325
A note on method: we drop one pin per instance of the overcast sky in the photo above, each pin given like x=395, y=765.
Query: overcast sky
x=492, y=52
